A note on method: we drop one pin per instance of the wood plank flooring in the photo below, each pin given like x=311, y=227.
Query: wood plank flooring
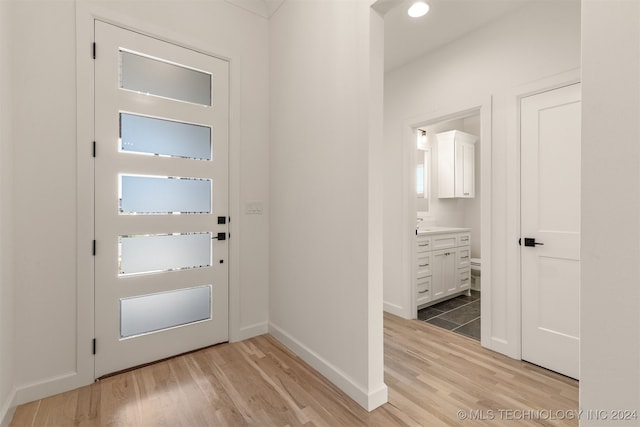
x=432, y=374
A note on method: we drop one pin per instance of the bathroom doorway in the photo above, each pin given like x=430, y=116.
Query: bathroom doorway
x=446, y=199
x=487, y=71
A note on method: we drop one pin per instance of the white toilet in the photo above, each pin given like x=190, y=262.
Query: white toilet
x=475, y=274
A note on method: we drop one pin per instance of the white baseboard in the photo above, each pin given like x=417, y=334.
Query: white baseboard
x=502, y=346
x=50, y=386
x=7, y=409
x=377, y=398
x=397, y=310
x=72, y=380
x=250, y=332
x=367, y=399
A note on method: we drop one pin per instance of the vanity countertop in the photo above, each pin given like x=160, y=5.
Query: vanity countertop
x=439, y=230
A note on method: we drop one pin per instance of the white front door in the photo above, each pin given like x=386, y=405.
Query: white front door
x=550, y=224
x=161, y=199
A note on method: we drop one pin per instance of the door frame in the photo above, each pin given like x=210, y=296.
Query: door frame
x=512, y=345
x=482, y=106
x=86, y=15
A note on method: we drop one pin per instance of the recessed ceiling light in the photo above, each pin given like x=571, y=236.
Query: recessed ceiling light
x=418, y=9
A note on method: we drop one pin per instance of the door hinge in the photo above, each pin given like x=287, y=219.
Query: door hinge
x=93, y=346
x=93, y=249
x=94, y=50
x=93, y=149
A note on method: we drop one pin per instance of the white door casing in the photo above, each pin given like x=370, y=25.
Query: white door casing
x=169, y=292
x=550, y=214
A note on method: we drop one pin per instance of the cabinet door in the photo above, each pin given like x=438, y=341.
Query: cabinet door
x=450, y=271
x=437, y=274
x=464, y=170
x=446, y=169
x=444, y=269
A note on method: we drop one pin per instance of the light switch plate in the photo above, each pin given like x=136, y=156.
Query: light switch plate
x=253, y=208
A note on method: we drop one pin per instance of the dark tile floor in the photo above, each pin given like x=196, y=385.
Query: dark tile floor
x=460, y=314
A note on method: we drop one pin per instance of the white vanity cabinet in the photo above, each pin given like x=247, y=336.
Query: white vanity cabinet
x=442, y=265
x=456, y=164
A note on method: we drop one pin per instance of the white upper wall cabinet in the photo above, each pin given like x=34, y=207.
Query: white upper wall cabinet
x=456, y=154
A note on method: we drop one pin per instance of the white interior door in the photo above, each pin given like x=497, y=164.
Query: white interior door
x=550, y=222
x=161, y=199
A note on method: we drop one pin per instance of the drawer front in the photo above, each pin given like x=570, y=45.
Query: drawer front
x=424, y=244
x=464, y=257
x=444, y=241
x=423, y=290
x=424, y=264
x=464, y=239
x=464, y=278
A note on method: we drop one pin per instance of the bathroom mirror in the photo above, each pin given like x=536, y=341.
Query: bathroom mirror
x=423, y=171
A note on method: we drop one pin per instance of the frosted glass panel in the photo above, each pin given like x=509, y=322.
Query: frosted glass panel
x=155, y=77
x=162, y=195
x=163, y=252
x=140, y=134
x=155, y=312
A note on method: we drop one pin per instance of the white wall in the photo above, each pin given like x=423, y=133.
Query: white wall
x=44, y=190
x=7, y=324
x=46, y=210
x=610, y=267
x=321, y=301
x=493, y=61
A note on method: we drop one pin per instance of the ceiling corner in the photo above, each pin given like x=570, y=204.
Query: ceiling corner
x=264, y=8
x=384, y=6
x=273, y=6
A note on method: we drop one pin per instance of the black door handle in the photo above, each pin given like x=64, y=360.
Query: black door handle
x=530, y=241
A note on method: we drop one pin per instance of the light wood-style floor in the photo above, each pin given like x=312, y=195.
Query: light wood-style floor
x=432, y=374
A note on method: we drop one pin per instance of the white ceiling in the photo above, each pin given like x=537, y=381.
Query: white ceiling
x=407, y=39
